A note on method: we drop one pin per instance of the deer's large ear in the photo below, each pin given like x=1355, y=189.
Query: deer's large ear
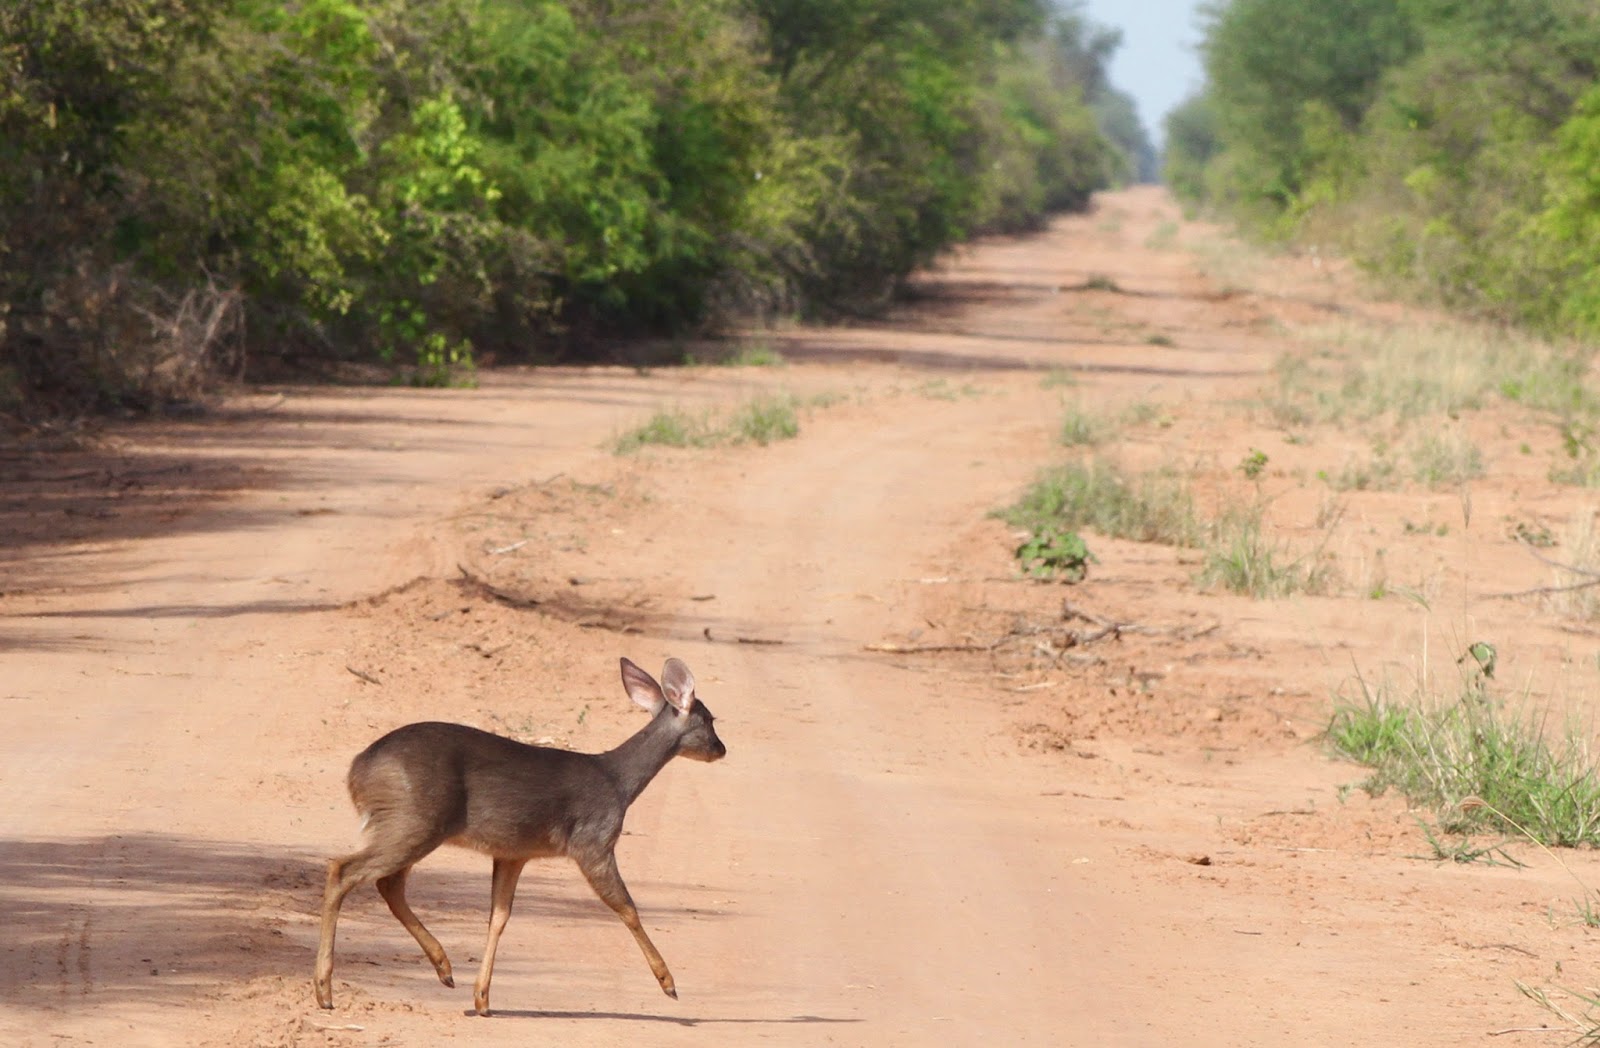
x=642, y=688
x=678, y=684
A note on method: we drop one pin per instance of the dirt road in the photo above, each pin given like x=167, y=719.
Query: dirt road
x=201, y=622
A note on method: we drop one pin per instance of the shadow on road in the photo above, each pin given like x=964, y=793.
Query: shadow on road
x=150, y=917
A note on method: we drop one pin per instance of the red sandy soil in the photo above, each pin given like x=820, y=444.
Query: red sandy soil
x=939, y=823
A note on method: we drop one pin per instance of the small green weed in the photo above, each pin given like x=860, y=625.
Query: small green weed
x=1587, y=912
x=1445, y=460
x=1055, y=554
x=1080, y=428
x=1465, y=850
x=756, y=354
x=1536, y=535
x=760, y=420
x=1380, y=472
x=1584, y=1023
x=764, y=420
x=1581, y=467
x=1240, y=559
x=670, y=427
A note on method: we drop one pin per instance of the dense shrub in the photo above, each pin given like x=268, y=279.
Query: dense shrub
x=1450, y=145
x=186, y=186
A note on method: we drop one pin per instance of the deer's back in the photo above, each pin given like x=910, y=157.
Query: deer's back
x=483, y=791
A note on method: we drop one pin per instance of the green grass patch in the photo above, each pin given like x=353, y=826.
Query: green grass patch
x=1444, y=460
x=1080, y=428
x=1580, y=464
x=1241, y=559
x=1476, y=765
x=1436, y=460
x=670, y=427
x=760, y=420
x=755, y=355
x=764, y=420
x=1149, y=507
x=1378, y=473
x=1578, y=1010
x=1362, y=372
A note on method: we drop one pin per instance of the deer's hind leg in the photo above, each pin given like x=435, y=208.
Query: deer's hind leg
x=393, y=890
x=382, y=861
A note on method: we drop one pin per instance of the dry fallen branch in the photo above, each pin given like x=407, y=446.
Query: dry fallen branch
x=1070, y=611
x=1524, y=1029
x=706, y=632
x=1590, y=576
x=924, y=649
x=1051, y=640
x=1546, y=591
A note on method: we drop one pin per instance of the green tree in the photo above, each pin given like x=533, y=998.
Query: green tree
x=1267, y=61
x=1192, y=143
x=188, y=185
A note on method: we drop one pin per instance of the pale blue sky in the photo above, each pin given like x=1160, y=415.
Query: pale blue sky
x=1158, y=63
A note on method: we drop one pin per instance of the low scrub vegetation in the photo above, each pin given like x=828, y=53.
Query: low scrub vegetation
x=1240, y=558
x=1401, y=373
x=1099, y=496
x=1080, y=428
x=1478, y=765
x=1449, y=147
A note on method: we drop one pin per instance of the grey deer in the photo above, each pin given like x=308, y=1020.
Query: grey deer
x=429, y=784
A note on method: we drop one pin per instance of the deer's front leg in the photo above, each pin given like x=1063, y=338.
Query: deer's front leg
x=604, y=878
x=506, y=872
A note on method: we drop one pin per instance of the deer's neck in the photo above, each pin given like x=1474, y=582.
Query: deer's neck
x=636, y=761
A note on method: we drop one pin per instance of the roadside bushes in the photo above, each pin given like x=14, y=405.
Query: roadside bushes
x=1449, y=145
x=189, y=186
